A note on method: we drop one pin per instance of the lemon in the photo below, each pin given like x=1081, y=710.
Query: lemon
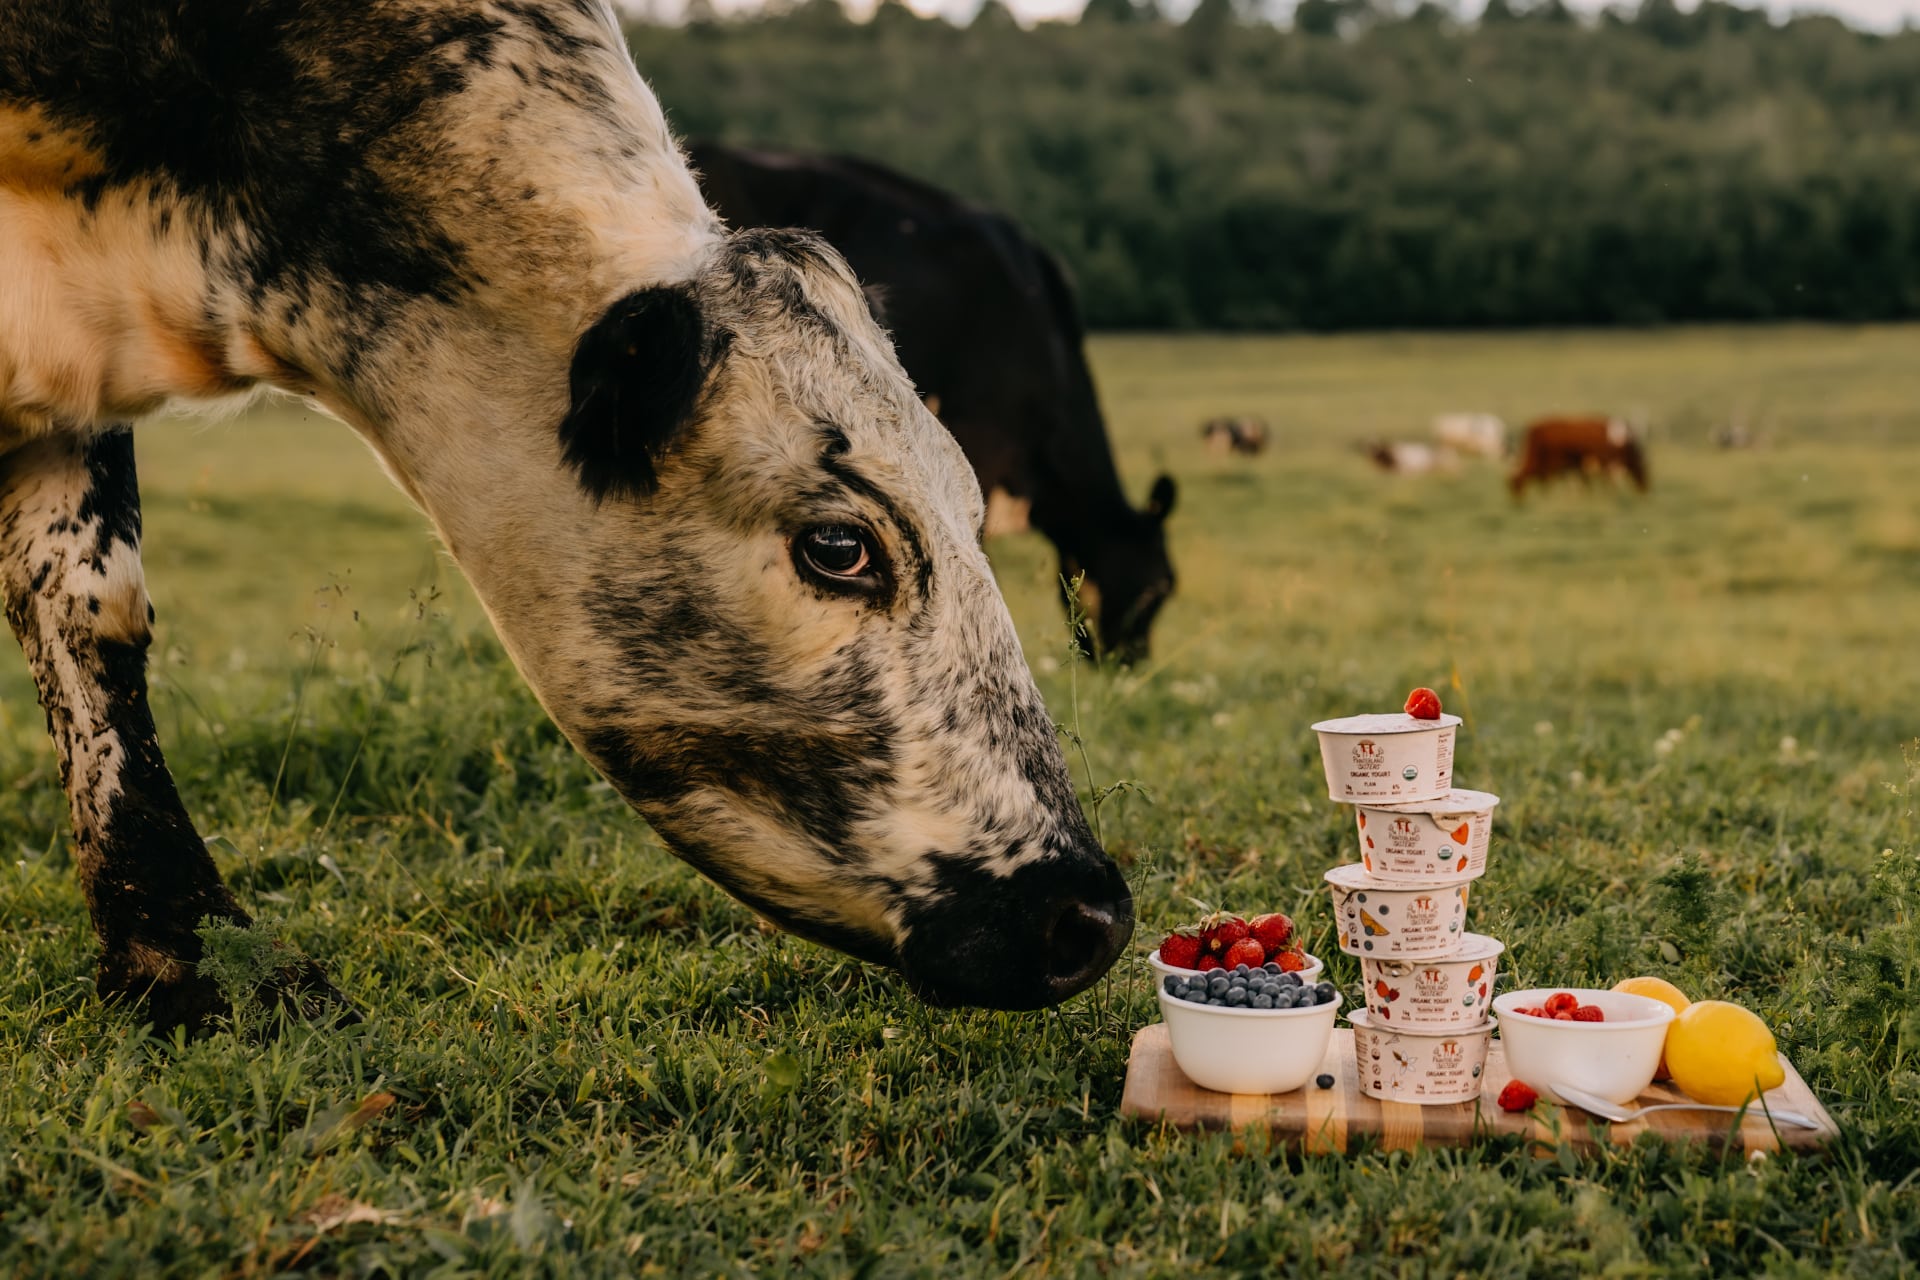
x=1663, y=991
x=1722, y=1054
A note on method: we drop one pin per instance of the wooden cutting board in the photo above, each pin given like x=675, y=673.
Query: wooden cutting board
x=1332, y=1120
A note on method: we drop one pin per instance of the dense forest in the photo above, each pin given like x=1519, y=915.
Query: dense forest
x=1366, y=167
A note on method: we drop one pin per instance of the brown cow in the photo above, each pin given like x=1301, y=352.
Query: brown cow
x=1582, y=446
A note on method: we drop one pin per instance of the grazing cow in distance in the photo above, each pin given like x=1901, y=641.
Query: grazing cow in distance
x=712, y=523
x=988, y=329
x=1410, y=458
x=1578, y=446
x=1246, y=436
x=1475, y=434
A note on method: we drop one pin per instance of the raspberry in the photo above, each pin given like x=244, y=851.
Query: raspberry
x=1517, y=1097
x=1248, y=952
x=1181, y=950
x=1589, y=1013
x=1423, y=704
x=1561, y=1000
x=1274, y=930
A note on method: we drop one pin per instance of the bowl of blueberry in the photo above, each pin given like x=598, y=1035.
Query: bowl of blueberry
x=1248, y=1029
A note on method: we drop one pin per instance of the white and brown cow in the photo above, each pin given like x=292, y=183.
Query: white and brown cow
x=722, y=539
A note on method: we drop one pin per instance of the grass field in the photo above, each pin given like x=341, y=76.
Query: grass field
x=1696, y=707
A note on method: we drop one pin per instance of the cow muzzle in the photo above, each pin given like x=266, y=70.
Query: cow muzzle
x=1045, y=932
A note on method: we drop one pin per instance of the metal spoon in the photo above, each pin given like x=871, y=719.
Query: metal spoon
x=1616, y=1112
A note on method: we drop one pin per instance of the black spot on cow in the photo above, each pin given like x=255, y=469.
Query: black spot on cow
x=985, y=321
x=635, y=383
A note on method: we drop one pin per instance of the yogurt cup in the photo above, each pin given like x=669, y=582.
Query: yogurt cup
x=1391, y=758
x=1430, y=1066
x=1452, y=992
x=1427, y=839
x=1413, y=921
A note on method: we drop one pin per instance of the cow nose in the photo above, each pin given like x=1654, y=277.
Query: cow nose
x=1083, y=941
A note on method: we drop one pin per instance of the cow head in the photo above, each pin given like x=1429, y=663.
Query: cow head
x=782, y=643
x=1125, y=579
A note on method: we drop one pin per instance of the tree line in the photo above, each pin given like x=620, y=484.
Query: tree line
x=1369, y=167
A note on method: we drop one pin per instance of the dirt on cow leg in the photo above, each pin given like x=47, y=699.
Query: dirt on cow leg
x=76, y=598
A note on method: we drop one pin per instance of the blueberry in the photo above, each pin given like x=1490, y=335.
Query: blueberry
x=1217, y=984
x=1272, y=966
x=1284, y=1000
x=1173, y=985
x=1195, y=997
x=1326, y=992
x=1262, y=1001
x=1217, y=1002
x=1240, y=969
x=1291, y=979
x=1237, y=997
x=1324, y=1080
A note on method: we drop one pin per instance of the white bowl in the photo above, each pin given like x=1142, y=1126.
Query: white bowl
x=1409, y=921
x=1430, y=1066
x=1391, y=758
x=1614, y=1059
x=1161, y=968
x=1452, y=991
x=1248, y=1050
x=1428, y=839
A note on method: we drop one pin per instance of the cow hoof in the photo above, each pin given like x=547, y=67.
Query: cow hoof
x=303, y=992
x=185, y=998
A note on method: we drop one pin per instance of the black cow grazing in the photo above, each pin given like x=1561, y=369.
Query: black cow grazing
x=987, y=327
x=716, y=529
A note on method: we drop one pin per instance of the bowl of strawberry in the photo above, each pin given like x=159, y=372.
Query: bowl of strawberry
x=1226, y=941
x=1605, y=1042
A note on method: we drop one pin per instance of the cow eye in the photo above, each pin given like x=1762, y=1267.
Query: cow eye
x=839, y=556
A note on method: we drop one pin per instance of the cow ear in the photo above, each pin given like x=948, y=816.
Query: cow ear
x=1160, y=499
x=636, y=379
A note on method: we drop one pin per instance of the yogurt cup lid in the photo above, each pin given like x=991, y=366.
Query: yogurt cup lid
x=1385, y=722
x=1473, y=946
x=1459, y=800
x=1360, y=1018
x=1353, y=875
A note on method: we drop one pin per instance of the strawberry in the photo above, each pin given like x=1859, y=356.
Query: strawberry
x=1220, y=931
x=1517, y=1097
x=1181, y=950
x=1291, y=961
x=1589, y=1013
x=1561, y=1000
x=1248, y=952
x=1381, y=988
x=1423, y=704
x=1208, y=964
x=1274, y=930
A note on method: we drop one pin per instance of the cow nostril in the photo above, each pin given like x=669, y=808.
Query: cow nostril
x=1083, y=942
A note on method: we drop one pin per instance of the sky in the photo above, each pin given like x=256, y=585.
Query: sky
x=1877, y=15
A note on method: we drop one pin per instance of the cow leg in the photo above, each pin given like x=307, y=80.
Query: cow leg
x=76, y=598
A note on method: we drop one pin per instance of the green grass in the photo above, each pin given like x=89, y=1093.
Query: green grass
x=599, y=1064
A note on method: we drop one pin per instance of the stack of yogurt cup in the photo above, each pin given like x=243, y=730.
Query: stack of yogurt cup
x=1402, y=908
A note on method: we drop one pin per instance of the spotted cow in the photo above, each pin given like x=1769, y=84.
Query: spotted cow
x=735, y=557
